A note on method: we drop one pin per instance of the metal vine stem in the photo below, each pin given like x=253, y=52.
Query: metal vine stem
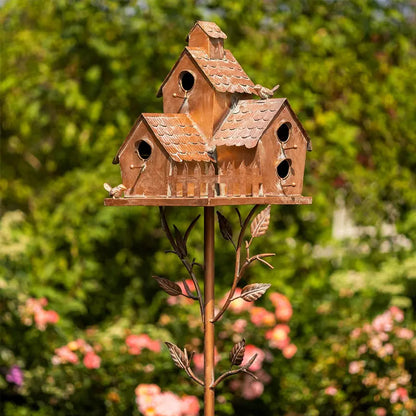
x=249, y=293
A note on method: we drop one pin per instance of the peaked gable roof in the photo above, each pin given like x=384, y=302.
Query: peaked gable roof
x=225, y=75
x=178, y=134
x=180, y=137
x=248, y=120
x=211, y=29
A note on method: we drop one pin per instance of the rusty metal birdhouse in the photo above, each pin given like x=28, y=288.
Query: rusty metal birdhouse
x=221, y=140
x=215, y=143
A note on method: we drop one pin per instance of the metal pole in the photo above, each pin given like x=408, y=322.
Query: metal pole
x=209, y=333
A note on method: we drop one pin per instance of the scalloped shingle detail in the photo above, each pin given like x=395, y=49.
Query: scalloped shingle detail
x=246, y=123
x=180, y=136
x=225, y=75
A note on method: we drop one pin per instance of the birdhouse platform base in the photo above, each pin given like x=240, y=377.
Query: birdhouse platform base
x=209, y=202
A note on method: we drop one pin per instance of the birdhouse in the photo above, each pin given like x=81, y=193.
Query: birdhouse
x=221, y=139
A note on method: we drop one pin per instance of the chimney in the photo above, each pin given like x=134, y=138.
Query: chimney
x=207, y=36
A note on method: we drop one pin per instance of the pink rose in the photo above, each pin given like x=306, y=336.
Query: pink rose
x=190, y=405
x=64, y=355
x=404, y=333
x=399, y=395
x=252, y=389
x=397, y=313
x=356, y=367
x=331, y=391
x=380, y=411
x=260, y=316
x=278, y=336
x=289, y=351
x=283, y=307
x=92, y=360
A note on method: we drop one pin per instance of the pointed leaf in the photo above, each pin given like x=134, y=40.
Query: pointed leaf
x=260, y=224
x=189, y=229
x=180, y=243
x=250, y=361
x=177, y=355
x=253, y=292
x=225, y=227
x=237, y=353
x=171, y=288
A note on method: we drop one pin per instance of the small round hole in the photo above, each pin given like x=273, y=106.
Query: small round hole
x=283, y=169
x=283, y=132
x=144, y=150
x=187, y=80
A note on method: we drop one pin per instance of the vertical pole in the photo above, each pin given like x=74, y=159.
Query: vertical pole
x=209, y=333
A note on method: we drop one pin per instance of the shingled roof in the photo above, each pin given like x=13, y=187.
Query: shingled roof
x=211, y=29
x=246, y=122
x=225, y=75
x=180, y=137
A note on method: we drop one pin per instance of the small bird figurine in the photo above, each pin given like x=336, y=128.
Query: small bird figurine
x=116, y=191
x=264, y=92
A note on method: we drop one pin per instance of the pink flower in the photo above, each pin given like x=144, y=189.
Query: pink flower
x=249, y=352
x=147, y=390
x=239, y=325
x=383, y=322
x=362, y=349
x=92, y=360
x=289, y=351
x=404, y=333
x=356, y=367
x=331, y=391
x=167, y=404
x=399, y=394
x=64, y=355
x=260, y=316
x=189, y=405
x=252, y=389
x=137, y=343
x=397, y=313
x=380, y=411
x=283, y=307
x=278, y=336
x=355, y=333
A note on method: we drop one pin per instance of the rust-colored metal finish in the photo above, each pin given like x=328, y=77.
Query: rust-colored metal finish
x=215, y=139
x=209, y=303
x=215, y=144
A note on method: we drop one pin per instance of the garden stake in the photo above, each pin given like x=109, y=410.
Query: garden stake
x=213, y=145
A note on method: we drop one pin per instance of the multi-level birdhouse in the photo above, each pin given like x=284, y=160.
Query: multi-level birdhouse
x=219, y=136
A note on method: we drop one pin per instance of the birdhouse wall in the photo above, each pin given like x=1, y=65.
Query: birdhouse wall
x=283, y=155
x=204, y=104
x=238, y=171
x=144, y=177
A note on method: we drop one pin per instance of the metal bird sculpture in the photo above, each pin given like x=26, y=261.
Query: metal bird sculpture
x=264, y=92
x=116, y=191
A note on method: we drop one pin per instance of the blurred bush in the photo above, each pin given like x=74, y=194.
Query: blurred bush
x=76, y=276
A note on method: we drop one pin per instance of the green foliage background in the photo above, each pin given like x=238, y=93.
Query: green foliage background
x=75, y=75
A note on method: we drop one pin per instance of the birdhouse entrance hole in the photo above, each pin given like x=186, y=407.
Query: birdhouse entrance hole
x=283, y=169
x=144, y=150
x=186, y=80
x=283, y=132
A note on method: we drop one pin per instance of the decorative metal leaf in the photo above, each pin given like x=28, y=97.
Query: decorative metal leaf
x=178, y=357
x=260, y=224
x=180, y=243
x=188, y=231
x=225, y=227
x=252, y=292
x=171, y=288
x=237, y=353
